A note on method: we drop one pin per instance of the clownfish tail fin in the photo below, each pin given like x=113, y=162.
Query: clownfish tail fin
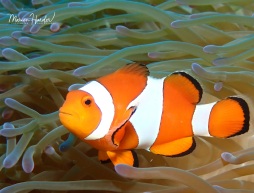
x=229, y=117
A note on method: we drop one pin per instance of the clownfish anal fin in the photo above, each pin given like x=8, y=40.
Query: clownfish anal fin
x=134, y=68
x=123, y=157
x=187, y=85
x=175, y=148
x=103, y=157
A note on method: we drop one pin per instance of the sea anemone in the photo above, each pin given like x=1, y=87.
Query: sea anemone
x=47, y=46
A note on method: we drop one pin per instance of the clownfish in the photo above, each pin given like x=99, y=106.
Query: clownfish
x=128, y=109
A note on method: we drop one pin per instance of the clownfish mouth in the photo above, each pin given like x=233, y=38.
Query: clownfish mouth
x=65, y=113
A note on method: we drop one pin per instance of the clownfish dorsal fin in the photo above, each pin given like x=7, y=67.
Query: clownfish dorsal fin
x=135, y=69
x=133, y=73
x=128, y=157
x=185, y=84
x=125, y=84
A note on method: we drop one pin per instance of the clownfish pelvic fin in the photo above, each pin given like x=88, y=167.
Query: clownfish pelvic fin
x=128, y=157
x=103, y=156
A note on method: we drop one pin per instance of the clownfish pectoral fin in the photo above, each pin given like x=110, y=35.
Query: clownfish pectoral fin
x=117, y=136
x=175, y=148
x=103, y=156
x=229, y=117
x=186, y=85
x=128, y=157
x=130, y=139
x=127, y=114
x=120, y=128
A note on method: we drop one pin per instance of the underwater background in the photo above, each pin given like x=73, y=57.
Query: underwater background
x=48, y=45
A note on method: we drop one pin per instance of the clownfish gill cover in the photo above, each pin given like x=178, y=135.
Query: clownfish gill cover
x=126, y=96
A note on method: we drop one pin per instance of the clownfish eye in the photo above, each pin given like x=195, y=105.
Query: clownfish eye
x=88, y=101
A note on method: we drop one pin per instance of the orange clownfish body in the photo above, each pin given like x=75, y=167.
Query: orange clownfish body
x=129, y=109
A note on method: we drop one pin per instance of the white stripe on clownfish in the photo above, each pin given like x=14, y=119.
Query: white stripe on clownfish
x=146, y=119
x=200, y=119
x=104, y=101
